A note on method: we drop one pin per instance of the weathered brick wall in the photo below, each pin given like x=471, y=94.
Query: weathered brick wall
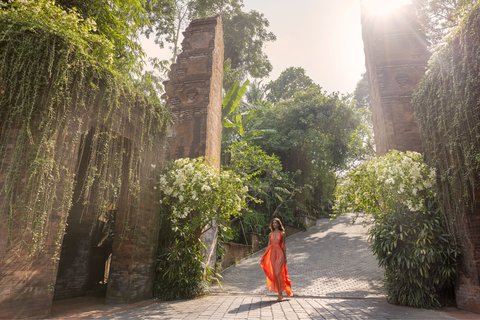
x=467, y=289
x=136, y=233
x=396, y=57
x=213, y=143
x=447, y=108
x=194, y=94
x=72, y=272
x=27, y=281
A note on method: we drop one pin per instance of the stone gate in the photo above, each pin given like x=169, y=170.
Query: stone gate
x=86, y=253
x=396, y=58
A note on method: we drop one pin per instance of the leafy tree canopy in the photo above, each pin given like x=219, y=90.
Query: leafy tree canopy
x=363, y=144
x=45, y=15
x=311, y=121
x=290, y=81
x=121, y=22
x=439, y=17
x=361, y=94
x=311, y=133
x=245, y=33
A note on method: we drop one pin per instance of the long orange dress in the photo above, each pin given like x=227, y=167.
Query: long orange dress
x=274, y=265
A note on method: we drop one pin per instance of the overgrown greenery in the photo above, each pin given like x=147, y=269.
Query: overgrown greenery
x=410, y=236
x=440, y=17
x=245, y=32
x=418, y=255
x=314, y=133
x=270, y=187
x=119, y=21
x=447, y=109
x=123, y=22
x=194, y=198
x=290, y=82
x=60, y=87
x=395, y=182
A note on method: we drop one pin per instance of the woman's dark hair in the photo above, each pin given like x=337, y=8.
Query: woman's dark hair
x=280, y=225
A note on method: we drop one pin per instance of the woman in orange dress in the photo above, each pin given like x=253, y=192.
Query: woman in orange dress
x=274, y=261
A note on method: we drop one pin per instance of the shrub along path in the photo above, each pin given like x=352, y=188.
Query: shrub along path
x=333, y=273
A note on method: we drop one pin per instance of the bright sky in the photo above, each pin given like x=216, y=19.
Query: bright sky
x=322, y=36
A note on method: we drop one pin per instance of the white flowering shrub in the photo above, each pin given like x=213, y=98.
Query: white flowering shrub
x=409, y=237
x=193, y=196
x=397, y=181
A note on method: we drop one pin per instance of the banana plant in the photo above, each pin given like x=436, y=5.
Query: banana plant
x=232, y=113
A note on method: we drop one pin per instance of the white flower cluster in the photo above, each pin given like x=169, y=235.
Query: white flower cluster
x=395, y=180
x=192, y=188
x=405, y=178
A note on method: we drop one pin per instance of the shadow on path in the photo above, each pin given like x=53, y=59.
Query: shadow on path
x=253, y=306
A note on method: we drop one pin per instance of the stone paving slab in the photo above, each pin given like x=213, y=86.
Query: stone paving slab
x=331, y=259
x=265, y=307
x=334, y=276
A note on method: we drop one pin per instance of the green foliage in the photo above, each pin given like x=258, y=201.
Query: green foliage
x=271, y=188
x=264, y=174
x=180, y=270
x=245, y=36
x=194, y=197
x=361, y=94
x=395, y=182
x=312, y=123
x=170, y=17
x=43, y=16
x=238, y=115
x=256, y=94
x=245, y=33
x=311, y=133
x=419, y=257
x=119, y=21
x=55, y=95
x=439, y=17
x=255, y=222
x=362, y=144
x=290, y=82
x=232, y=117
x=447, y=109
x=409, y=236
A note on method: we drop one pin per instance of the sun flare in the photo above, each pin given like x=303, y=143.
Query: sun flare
x=384, y=7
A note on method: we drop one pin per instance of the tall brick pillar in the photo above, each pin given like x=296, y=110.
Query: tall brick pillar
x=194, y=94
x=396, y=57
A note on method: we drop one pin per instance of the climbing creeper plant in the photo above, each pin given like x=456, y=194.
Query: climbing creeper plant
x=58, y=88
x=447, y=109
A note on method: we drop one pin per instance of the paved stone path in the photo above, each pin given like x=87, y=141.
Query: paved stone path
x=334, y=276
x=331, y=259
x=261, y=307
